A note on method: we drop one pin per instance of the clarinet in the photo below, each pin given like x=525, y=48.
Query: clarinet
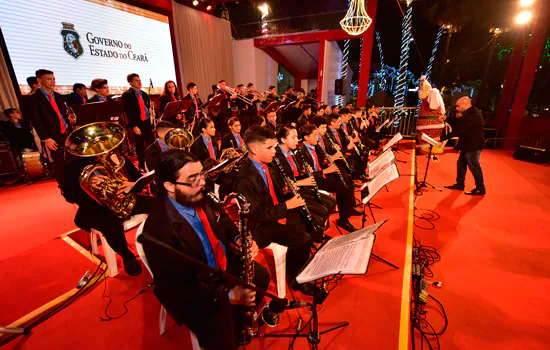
x=308, y=173
x=338, y=173
x=338, y=149
x=312, y=227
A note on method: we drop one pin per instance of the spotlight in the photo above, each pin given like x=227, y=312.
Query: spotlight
x=524, y=17
x=526, y=3
x=195, y=3
x=208, y=8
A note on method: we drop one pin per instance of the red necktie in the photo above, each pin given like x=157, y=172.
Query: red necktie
x=196, y=105
x=316, y=159
x=211, y=150
x=141, y=106
x=323, y=143
x=83, y=100
x=338, y=138
x=54, y=106
x=293, y=165
x=241, y=142
x=272, y=191
x=346, y=128
x=174, y=98
x=221, y=260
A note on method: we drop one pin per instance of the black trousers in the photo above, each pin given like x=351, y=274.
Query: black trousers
x=344, y=195
x=111, y=226
x=143, y=141
x=58, y=158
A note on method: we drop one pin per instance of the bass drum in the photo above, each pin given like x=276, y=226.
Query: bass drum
x=34, y=166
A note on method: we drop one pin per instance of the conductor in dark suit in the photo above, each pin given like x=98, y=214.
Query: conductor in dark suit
x=469, y=130
x=190, y=224
x=205, y=145
x=136, y=107
x=48, y=117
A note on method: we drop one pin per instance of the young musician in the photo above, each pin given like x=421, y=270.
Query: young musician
x=327, y=178
x=186, y=221
x=49, y=120
x=153, y=152
x=271, y=121
x=136, y=107
x=304, y=118
x=193, y=114
x=205, y=146
x=170, y=94
x=101, y=87
x=18, y=131
x=272, y=93
x=79, y=95
x=33, y=84
x=334, y=109
x=272, y=218
x=233, y=139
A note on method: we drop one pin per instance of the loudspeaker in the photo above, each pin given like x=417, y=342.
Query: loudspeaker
x=7, y=163
x=339, y=87
x=532, y=154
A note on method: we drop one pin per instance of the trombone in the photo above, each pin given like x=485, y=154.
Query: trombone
x=232, y=91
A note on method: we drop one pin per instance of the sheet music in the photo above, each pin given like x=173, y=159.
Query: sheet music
x=347, y=254
x=393, y=140
x=380, y=162
x=431, y=141
x=385, y=177
x=382, y=125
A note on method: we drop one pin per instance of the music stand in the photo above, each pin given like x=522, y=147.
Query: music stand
x=424, y=183
x=273, y=106
x=98, y=112
x=176, y=107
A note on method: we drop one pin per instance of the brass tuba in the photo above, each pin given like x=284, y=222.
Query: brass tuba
x=179, y=139
x=100, y=140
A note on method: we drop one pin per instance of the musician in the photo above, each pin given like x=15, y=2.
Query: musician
x=325, y=177
x=79, y=95
x=228, y=108
x=136, y=107
x=289, y=95
x=334, y=109
x=338, y=136
x=214, y=92
x=49, y=120
x=101, y=87
x=92, y=215
x=304, y=118
x=19, y=133
x=233, y=138
x=193, y=114
x=187, y=222
x=272, y=93
x=170, y=94
x=33, y=84
x=349, y=106
x=373, y=113
x=272, y=218
x=359, y=126
x=321, y=111
x=271, y=121
x=205, y=146
x=153, y=152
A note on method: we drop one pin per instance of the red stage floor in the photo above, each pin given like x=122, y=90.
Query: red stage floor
x=494, y=268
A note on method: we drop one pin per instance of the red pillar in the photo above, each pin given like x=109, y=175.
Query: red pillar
x=320, y=70
x=510, y=81
x=525, y=84
x=366, y=55
x=297, y=82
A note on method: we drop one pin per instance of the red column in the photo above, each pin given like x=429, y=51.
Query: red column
x=510, y=81
x=297, y=82
x=320, y=70
x=525, y=84
x=366, y=54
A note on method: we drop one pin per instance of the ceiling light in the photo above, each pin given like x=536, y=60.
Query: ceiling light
x=524, y=17
x=195, y=3
x=526, y=3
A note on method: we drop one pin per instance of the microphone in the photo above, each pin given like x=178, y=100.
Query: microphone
x=280, y=305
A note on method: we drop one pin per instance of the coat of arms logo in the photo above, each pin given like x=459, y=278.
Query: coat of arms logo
x=71, y=40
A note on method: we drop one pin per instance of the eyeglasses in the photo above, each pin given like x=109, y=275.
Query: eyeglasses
x=194, y=180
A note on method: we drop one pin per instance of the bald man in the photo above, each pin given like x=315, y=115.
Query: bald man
x=472, y=140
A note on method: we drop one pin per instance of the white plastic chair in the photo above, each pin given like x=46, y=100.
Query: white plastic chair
x=110, y=255
x=162, y=316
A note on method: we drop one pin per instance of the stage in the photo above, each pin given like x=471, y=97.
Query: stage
x=493, y=267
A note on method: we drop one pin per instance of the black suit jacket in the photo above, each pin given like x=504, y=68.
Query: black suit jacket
x=44, y=118
x=469, y=129
x=303, y=120
x=199, y=149
x=229, y=141
x=309, y=159
x=19, y=138
x=73, y=99
x=187, y=294
x=191, y=112
x=152, y=155
x=95, y=98
x=131, y=107
x=271, y=127
x=330, y=136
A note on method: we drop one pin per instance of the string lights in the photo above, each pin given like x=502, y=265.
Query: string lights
x=406, y=38
x=383, y=83
x=434, y=52
x=356, y=21
x=344, y=70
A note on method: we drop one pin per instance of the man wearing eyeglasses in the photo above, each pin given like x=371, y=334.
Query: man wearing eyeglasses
x=186, y=221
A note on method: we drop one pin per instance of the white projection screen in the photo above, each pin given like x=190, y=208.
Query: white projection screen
x=80, y=40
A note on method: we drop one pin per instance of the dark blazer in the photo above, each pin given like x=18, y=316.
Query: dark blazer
x=192, y=110
x=303, y=120
x=229, y=141
x=250, y=184
x=199, y=148
x=189, y=296
x=44, y=118
x=164, y=100
x=131, y=107
x=469, y=129
x=284, y=162
x=330, y=136
x=270, y=127
x=19, y=138
x=95, y=98
x=74, y=99
x=309, y=159
x=152, y=155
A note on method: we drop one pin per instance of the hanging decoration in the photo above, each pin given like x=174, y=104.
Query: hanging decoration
x=434, y=52
x=406, y=38
x=356, y=21
x=383, y=83
x=344, y=70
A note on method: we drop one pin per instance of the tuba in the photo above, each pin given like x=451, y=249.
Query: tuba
x=100, y=140
x=179, y=139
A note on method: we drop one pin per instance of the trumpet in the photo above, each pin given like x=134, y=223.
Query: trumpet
x=232, y=91
x=71, y=115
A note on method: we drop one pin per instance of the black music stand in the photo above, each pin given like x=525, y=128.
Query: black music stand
x=424, y=183
x=176, y=107
x=110, y=111
x=273, y=106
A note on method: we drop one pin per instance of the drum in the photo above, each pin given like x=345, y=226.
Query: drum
x=33, y=164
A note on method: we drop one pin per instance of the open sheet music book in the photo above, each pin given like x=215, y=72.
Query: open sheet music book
x=345, y=255
x=142, y=182
x=380, y=163
x=431, y=141
x=398, y=137
x=382, y=125
x=371, y=188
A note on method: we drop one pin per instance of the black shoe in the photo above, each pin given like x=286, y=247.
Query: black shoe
x=132, y=266
x=356, y=212
x=476, y=192
x=455, y=187
x=346, y=225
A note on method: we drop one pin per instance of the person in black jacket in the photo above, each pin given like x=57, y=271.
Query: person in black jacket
x=48, y=118
x=469, y=129
x=190, y=224
x=91, y=214
x=205, y=145
x=153, y=152
x=79, y=95
x=194, y=112
x=271, y=121
x=170, y=94
x=136, y=107
x=233, y=138
x=101, y=88
x=304, y=118
x=18, y=131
